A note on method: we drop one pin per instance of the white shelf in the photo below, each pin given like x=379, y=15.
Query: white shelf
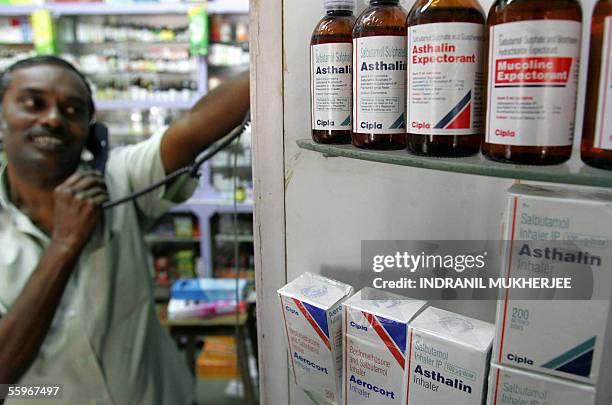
x=71, y=9
x=104, y=105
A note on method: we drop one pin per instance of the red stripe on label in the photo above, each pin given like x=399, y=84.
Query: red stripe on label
x=288, y=339
x=344, y=333
x=382, y=333
x=496, y=388
x=409, y=370
x=312, y=323
x=490, y=100
x=501, y=345
x=605, y=86
x=356, y=85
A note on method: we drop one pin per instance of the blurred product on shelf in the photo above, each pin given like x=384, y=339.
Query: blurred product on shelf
x=161, y=59
x=219, y=358
x=228, y=55
x=185, y=309
x=110, y=29
x=15, y=30
x=208, y=289
x=229, y=28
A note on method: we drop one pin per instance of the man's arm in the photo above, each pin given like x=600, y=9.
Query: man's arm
x=215, y=115
x=24, y=327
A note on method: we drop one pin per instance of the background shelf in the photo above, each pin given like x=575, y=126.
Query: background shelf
x=572, y=172
x=142, y=104
x=214, y=7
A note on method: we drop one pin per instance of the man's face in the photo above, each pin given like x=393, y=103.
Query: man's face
x=46, y=121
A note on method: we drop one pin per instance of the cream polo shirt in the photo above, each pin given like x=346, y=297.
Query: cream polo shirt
x=105, y=344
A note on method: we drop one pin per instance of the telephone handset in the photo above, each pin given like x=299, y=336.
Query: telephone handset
x=97, y=144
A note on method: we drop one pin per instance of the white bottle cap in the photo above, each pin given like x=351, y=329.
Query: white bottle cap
x=339, y=5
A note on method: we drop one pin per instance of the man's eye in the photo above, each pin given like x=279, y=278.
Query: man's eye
x=74, y=111
x=33, y=102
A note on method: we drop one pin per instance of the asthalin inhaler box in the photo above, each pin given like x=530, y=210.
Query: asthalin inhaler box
x=554, y=232
x=312, y=314
x=448, y=359
x=375, y=330
x=512, y=386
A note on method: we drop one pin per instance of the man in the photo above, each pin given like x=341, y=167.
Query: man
x=76, y=300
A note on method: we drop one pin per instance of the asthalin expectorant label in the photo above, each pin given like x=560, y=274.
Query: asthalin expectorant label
x=445, y=76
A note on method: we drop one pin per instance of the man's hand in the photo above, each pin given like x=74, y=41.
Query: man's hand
x=77, y=209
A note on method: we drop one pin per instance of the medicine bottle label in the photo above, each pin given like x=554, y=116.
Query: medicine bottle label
x=331, y=95
x=445, y=76
x=379, y=85
x=603, y=128
x=533, y=78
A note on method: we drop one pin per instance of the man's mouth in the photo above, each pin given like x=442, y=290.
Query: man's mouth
x=48, y=142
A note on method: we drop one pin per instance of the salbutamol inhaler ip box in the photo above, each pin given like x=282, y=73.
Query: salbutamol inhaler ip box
x=512, y=386
x=312, y=313
x=375, y=330
x=448, y=359
x=558, y=232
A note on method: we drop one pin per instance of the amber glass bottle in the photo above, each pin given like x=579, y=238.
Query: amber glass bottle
x=533, y=59
x=596, y=147
x=379, y=76
x=331, y=70
x=445, y=77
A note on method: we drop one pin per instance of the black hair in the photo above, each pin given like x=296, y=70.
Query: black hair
x=5, y=78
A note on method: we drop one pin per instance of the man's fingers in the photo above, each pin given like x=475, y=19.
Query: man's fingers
x=91, y=192
x=77, y=176
x=87, y=182
x=99, y=199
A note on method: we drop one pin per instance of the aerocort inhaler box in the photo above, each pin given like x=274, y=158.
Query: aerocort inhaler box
x=555, y=232
x=312, y=312
x=375, y=333
x=511, y=386
x=448, y=359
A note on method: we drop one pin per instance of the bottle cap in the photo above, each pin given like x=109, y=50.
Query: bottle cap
x=339, y=5
x=385, y=1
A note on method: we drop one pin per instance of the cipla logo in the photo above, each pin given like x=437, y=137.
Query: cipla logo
x=314, y=291
x=456, y=325
x=386, y=303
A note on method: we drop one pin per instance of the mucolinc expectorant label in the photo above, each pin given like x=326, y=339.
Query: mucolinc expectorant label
x=379, y=85
x=603, y=127
x=331, y=93
x=533, y=79
x=446, y=79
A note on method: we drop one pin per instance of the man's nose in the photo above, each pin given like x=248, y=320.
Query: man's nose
x=52, y=117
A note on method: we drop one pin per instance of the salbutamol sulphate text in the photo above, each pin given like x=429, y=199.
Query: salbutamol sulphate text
x=448, y=359
x=331, y=68
x=312, y=315
x=445, y=77
x=375, y=328
x=379, y=76
x=533, y=59
x=596, y=147
x=509, y=386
